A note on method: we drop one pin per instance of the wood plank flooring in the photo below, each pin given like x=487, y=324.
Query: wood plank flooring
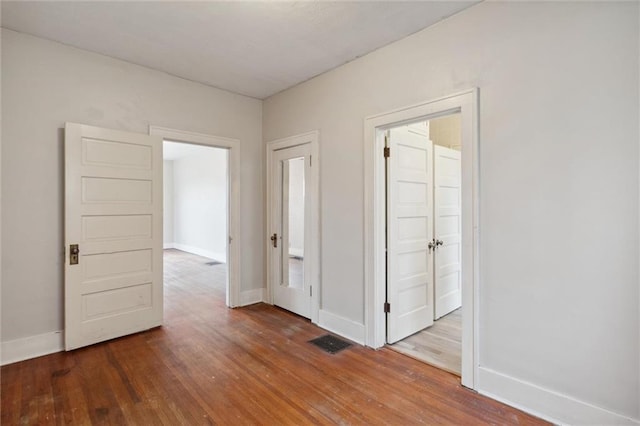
x=213, y=365
x=439, y=345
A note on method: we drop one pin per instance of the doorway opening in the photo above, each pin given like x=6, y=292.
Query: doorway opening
x=227, y=250
x=195, y=216
x=378, y=310
x=423, y=241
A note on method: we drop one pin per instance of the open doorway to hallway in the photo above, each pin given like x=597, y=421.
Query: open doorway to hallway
x=424, y=253
x=195, y=221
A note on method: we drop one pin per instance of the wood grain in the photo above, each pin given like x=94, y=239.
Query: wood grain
x=213, y=365
x=439, y=345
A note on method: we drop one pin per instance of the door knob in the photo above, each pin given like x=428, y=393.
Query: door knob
x=431, y=245
x=439, y=243
x=74, y=251
x=274, y=240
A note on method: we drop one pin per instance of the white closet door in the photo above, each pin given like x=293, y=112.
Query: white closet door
x=409, y=231
x=113, y=234
x=447, y=198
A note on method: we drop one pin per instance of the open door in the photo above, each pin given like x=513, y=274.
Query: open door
x=290, y=229
x=448, y=259
x=113, y=234
x=409, y=233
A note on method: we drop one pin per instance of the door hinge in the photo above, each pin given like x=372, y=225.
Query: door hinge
x=387, y=307
x=387, y=152
x=310, y=291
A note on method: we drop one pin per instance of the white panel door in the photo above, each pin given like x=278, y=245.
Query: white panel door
x=290, y=228
x=113, y=213
x=447, y=198
x=409, y=232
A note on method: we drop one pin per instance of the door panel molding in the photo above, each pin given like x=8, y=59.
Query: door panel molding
x=410, y=277
x=466, y=103
x=113, y=262
x=313, y=234
x=233, y=214
x=447, y=177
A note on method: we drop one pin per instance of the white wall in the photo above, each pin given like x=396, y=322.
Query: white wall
x=167, y=204
x=446, y=131
x=200, y=203
x=45, y=84
x=559, y=189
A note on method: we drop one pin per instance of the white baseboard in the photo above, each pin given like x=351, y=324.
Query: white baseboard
x=342, y=326
x=249, y=297
x=219, y=256
x=544, y=403
x=168, y=246
x=31, y=347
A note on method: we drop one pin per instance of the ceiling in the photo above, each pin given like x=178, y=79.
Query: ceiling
x=252, y=48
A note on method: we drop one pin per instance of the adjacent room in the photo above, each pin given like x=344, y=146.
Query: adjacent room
x=195, y=208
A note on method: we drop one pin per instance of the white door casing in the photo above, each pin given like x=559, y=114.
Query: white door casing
x=466, y=103
x=113, y=212
x=409, y=232
x=447, y=198
x=293, y=295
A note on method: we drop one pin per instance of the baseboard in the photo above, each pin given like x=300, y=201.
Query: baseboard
x=31, y=347
x=342, y=326
x=219, y=256
x=249, y=297
x=544, y=403
x=168, y=246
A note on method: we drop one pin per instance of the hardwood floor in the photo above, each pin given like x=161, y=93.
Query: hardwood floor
x=439, y=345
x=213, y=365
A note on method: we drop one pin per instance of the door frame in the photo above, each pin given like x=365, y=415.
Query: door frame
x=314, y=194
x=233, y=206
x=466, y=103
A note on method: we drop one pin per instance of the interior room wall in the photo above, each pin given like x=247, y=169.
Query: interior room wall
x=445, y=131
x=44, y=85
x=200, y=203
x=167, y=204
x=558, y=256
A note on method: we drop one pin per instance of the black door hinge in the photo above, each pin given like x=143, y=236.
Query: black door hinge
x=387, y=307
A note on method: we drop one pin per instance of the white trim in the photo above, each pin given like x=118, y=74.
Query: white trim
x=544, y=403
x=168, y=246
x=31, y=347
x=313, y=257
x=249, y=297
x=374, y=219
x=342, y=326
x=233, y=214
x=220, y=257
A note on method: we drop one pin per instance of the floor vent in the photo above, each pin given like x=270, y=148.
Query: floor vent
x=331, y=344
